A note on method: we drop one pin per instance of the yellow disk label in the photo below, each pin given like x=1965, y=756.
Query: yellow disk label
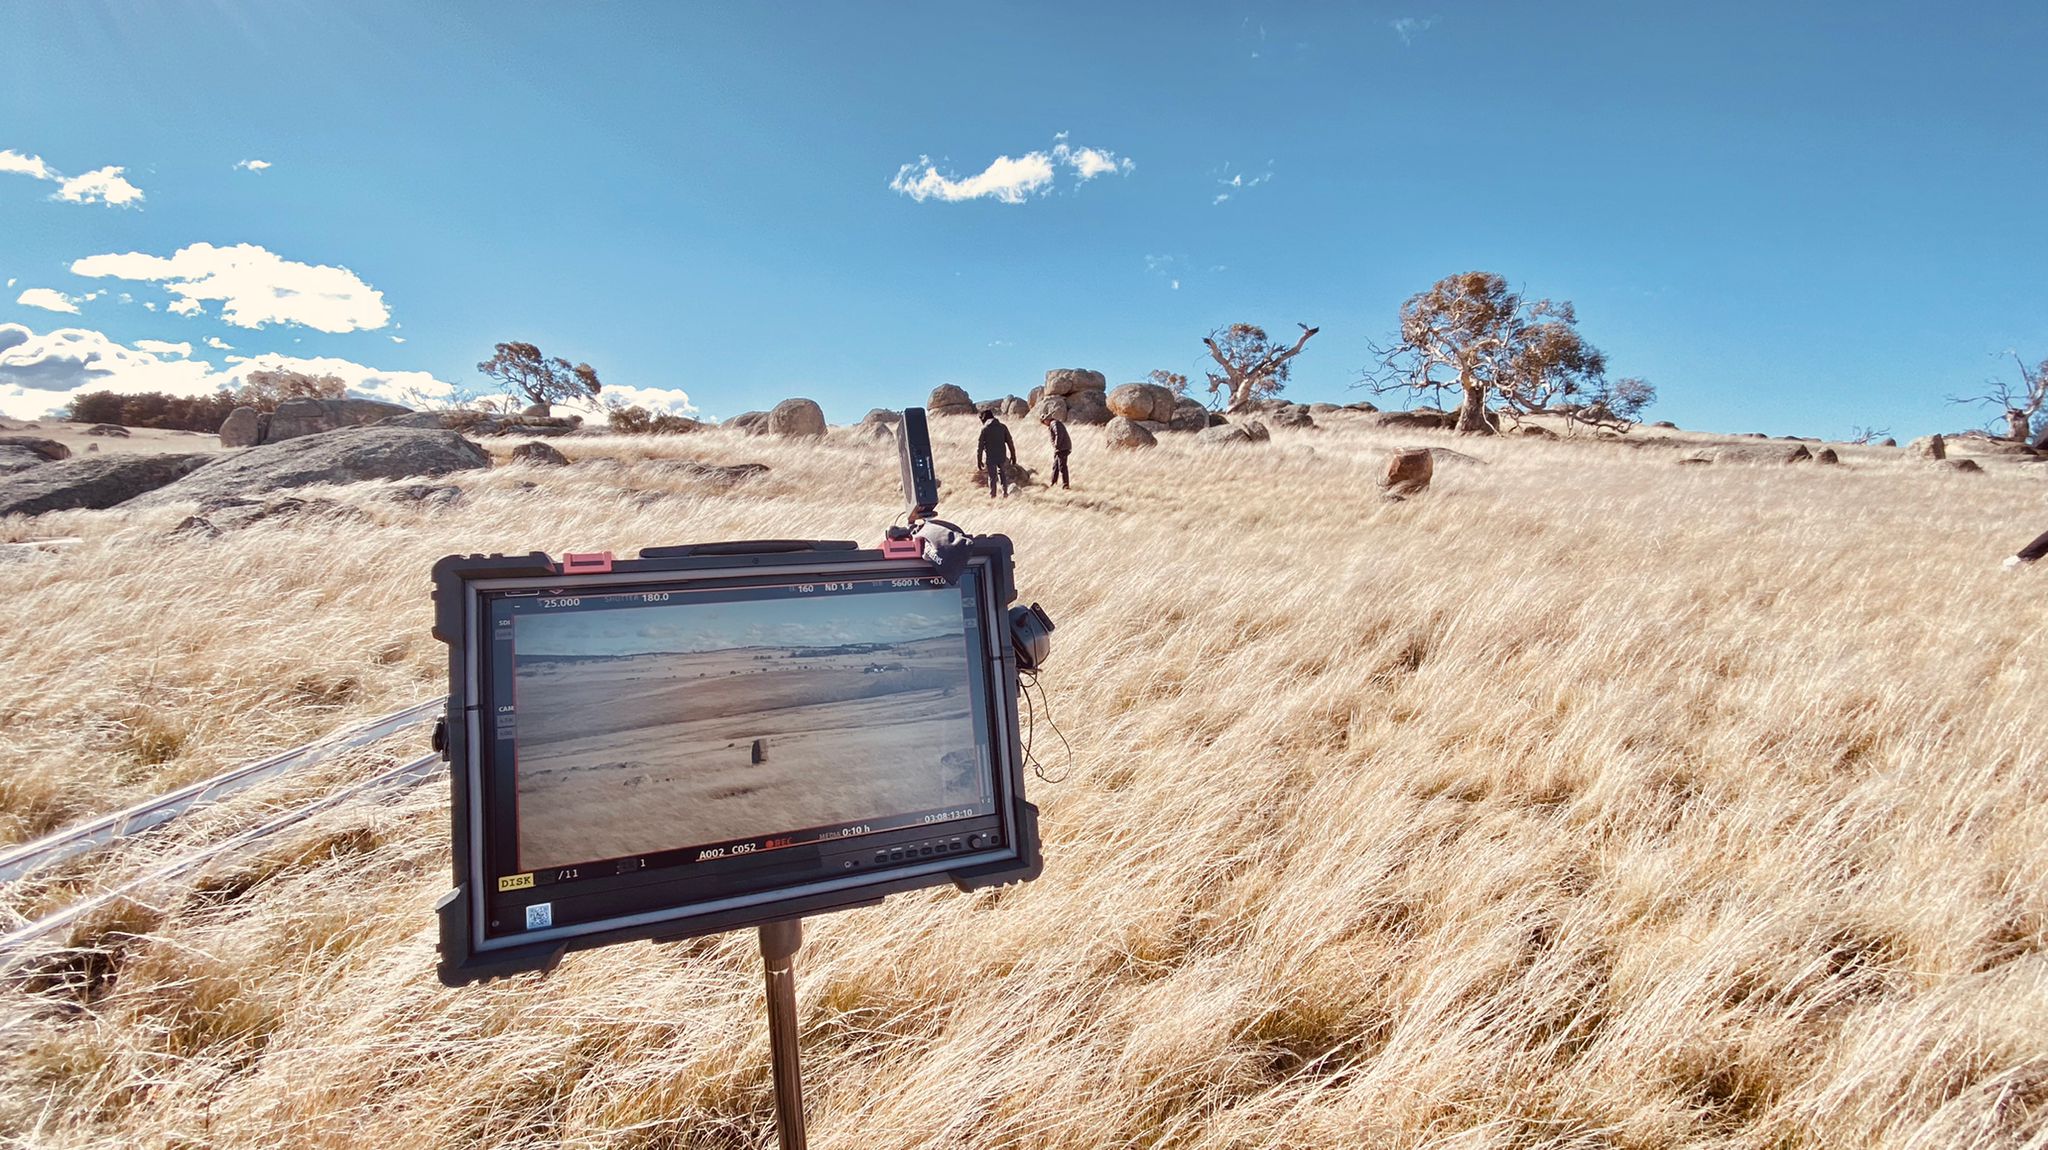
x=516, y=881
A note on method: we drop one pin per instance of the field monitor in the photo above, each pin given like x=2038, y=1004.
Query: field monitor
x=706, y=738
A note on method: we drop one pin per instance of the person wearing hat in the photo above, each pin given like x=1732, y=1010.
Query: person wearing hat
x=1062, y=446
x=995, y=452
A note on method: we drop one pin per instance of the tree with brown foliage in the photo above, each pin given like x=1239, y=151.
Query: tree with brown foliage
x=265, y=388
x=1526, y=356
x=1253, y=365
x=521, y=370
x=1172, y=381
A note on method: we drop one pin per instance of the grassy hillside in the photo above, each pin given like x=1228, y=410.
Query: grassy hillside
x=1585, y=801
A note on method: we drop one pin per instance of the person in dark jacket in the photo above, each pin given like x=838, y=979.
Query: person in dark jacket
x=995, y=452
x=1062, y=446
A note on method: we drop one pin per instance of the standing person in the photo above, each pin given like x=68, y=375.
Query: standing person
x=995, y=452
x=1062, y=446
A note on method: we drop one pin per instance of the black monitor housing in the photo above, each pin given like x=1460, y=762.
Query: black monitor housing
x=721, y=736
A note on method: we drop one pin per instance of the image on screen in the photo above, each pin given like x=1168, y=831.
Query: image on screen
x=674, y=724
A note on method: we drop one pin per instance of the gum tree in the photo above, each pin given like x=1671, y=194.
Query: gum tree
x=521, y=370
x=1253, y=365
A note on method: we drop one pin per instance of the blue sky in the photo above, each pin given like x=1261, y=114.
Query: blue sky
x=1792, y=220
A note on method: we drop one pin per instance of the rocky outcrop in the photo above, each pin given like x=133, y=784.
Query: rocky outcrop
x=797, y=419
x=883, y=415
x=48, y=450
x=1224, y=435
x=96, y=483
x=1826, y=456
x=484, y=423
x=1074, y=381
x=347, y=456
x=1960, y=466
x=1188, y=415
x=111, y=430
x=1292, y=415
x=540, y=454
x=1142, y=401
x=1421, y=418
x=1086, y=407
x=1409, y=471
x=1928, y=447
x=1759, y=454
x=751, y=422
x=1125, y=435
x=13, y=459
x=298, y=417
x=244, y=427
x=1014, y=407
x=949, y=399
x=1255, y=429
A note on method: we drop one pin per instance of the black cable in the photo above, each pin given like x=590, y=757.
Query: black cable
x=1028, y=680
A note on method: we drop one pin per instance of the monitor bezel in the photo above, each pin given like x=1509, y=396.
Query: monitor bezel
x=461, y=584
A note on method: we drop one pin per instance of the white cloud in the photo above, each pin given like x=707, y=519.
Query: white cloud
x=49, y=299
x=412, y=388
x=252, y=165
x=1239, y=182
x=15, y=162
x=1009, y=180
x=10, y=281
x=397, y=339
x=41, y=373
x=219, y=344
x=1409, y=27
x=100, y=186
x=672, y=400
x=255, y=286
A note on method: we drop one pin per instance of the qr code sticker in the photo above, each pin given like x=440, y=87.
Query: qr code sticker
x=540, y=916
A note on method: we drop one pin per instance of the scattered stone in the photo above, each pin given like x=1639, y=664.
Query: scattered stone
x=797, y=419
x=1446, y=455
x=1188, y=415
x=1323, y=408
x=1531, y=431
x=1827, y=457
x=1731, y=453
x=1421, y=418
x=751, y=422
x=427, y=494
x=1142, y=402
x=883, y=415
x=346, y=456
x=1256, y=430
x=1223, y=435
x=1125, y=434
x=1986, y=445
x=720, y=475
x=93, y=484
x=47, y=449
x=1361, y=405
x=481, y=423
x=1409, y=471
x=1928, y=447
x=949, y=399
x=1292, y=415
x=1963, y=466
x=1666, y=424
x=1014, y=407
x=1213, y=418
x=114, y=430
x=539, y=454
x=94, y=448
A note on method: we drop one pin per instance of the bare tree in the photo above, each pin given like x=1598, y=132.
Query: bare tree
x=2018, y=402
x=1473, y=332
x=522, y=370
x=1172, y=381
x=1861, y=435
x=1254, y=366
x=265, y=388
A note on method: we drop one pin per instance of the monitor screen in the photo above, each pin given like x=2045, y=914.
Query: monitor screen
x=650, y=723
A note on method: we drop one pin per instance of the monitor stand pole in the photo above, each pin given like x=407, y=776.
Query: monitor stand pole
x=779, y=943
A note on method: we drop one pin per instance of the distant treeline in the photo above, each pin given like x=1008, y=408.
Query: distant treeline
x=261, y=389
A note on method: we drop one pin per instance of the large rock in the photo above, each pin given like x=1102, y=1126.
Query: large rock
x=539, y=453
x=1125, y=434
x=1256, y=430
x=296, y=417
x=347, y=456
x=1408, y=472
x=46, y=449
x=883, y=415
x=1775, y=453
x=1086, y=407
x=1963, y=466
x=949, y=399
x=1188, y=415
x=751, y=422
x=1142, y=401
x=1291, y=415
x=1223, y=435
x=1054, y=406
x=112, y=430
x=1411, y=420
x=1014, y=407
x=242, y=428
x=14, y=459
x=1928, y=447
x=95, y=483
x=797, y=419
x=1074, y=381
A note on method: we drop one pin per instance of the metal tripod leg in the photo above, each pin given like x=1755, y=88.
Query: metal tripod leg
x=779, y=943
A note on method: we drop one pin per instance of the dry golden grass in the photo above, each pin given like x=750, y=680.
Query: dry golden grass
x=1586, y=801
